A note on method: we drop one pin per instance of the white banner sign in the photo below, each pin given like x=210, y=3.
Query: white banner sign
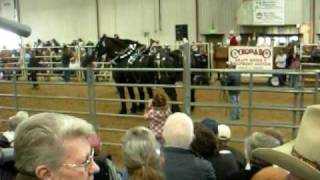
x=268, y=12
x=7, y=9
x=251, y=58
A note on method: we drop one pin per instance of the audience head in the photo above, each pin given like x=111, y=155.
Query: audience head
x=211, y=125
x=55, y=146
x=15, y=120
x=301, y=156
x=205, y=142
x=224, y=132
x=274, y=133
x=178, y=130
x=258, y=140
x=270, y=173
x=141, y=154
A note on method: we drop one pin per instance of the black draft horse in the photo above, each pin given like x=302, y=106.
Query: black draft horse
x=126, y=53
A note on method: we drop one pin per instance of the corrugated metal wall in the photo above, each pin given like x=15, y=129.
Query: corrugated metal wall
x=64, y=20
x=139, y=19
x=218, y=15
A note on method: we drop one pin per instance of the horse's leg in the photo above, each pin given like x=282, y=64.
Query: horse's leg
x=122, y=96
x=150, y=92
x=193, y=98
x=141, y=95
x=171, y=92
x=132, y=96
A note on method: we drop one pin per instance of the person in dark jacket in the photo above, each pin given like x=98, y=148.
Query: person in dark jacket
x=65, y=59
x=205, y=144
x=233, y=79
x=180, y=161
x=34, y=63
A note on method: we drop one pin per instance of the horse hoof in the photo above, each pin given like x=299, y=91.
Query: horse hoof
x=122, y=111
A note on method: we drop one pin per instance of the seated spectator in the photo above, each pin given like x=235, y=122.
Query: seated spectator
x=7, y=169
x=252, y=142
x=106, y=166
x=54, y=146
x=224, y=136
x=180, y=161
x=274, y=133
x=211, y=125
x=7, y=137
x=141, y=154
x=271, y=173
x=205, y=144
x=300, y=156
x=156, y=113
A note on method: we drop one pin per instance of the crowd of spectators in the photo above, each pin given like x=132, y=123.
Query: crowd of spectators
x=58, y=146
x=46, y=54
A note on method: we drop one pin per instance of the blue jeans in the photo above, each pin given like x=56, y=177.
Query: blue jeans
x=234, y=100
x=66, y=75
x=293, y=80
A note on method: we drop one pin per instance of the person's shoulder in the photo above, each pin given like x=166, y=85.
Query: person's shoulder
x=202, y=162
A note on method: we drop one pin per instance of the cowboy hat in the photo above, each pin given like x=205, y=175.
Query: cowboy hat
x=300, y=156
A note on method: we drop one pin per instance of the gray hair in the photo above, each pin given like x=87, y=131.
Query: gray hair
x=39, y=140
x=141, y=152
x=178, y=130
x=15, y=120
x=258, y=140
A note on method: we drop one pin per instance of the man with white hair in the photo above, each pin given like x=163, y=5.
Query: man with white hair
x=180, y=161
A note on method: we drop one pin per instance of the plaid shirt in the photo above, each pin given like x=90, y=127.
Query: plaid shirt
x=157, y=118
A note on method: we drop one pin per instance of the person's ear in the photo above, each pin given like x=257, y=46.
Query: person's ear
x=42, y=172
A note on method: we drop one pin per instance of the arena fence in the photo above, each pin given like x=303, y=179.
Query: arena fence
x=249, y=86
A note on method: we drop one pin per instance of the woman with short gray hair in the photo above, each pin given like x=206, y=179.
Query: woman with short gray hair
x=54, y=146
x=141, y=154
x=256, y=140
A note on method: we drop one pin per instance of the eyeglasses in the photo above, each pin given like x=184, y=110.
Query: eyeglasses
x=84, y=165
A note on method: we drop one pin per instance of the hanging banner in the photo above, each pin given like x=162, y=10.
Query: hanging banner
x=268, y=12
x=251, y=58
x=7, y=9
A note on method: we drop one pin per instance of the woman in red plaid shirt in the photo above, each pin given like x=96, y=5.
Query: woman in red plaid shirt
x=157, y=113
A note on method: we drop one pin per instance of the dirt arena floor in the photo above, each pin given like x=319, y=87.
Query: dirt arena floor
x=110, y=136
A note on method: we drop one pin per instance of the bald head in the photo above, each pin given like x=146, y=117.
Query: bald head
x=271, y=173
x=178, y=130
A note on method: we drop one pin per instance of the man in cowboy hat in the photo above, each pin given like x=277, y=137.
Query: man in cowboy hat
x=301, y=157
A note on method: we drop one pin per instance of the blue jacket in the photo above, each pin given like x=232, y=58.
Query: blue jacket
x=184, y=164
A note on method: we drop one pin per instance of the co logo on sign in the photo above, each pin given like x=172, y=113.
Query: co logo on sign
x=265, y=53
x=234, y=53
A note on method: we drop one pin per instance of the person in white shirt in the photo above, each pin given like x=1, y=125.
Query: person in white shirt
x=281, y=60
x=280, y=63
